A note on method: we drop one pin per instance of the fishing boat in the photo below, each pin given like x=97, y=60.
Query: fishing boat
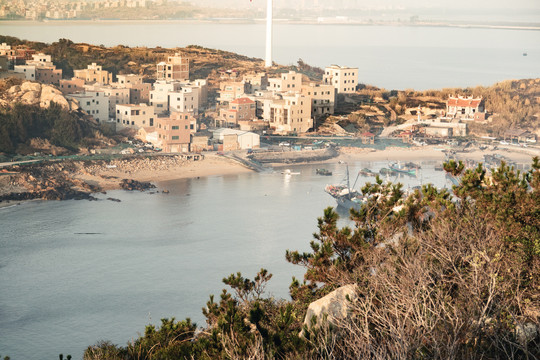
x=408, y=168
x=346, y=196
x=324, y=172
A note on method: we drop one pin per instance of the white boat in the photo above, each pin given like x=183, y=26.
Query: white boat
x=346, y=196
x=289, y=172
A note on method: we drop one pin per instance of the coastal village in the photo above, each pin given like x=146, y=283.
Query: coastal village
x=249, y=116
x=175, y=113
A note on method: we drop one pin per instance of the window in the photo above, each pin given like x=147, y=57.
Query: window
x=186, y=127
x=176, y=127
x=175, y=137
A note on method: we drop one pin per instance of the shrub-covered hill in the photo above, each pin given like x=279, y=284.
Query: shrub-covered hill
x=204, y=62
x=435, y=278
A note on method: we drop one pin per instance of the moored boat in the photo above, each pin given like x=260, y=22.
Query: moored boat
x=408, y=168
x=324, y=172
x=346, y=196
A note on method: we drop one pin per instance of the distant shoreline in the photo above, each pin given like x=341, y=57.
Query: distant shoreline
x=326, y=22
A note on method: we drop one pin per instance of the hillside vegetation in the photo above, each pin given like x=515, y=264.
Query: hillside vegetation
x=435, y=278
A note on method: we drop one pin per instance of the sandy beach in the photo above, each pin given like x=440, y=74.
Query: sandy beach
x=108, y=176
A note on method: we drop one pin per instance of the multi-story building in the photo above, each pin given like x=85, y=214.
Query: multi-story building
x=241, y=109
x=95, y=103
x=48, y=74
x=174, y=132
x=322, y=98
x=291, y=81
x=139, y=93
x=344, y=79
x=71, y=86
x=256, y=82
x=117, y=96
x=159, y=96
x=201, y=87
x=125, y=79
x=185, y=100
x=291, y=114
x=94, y=73
x=134, y=116
x=176, y=68
x=40, y=60
x=230, y=90
x=29, y=71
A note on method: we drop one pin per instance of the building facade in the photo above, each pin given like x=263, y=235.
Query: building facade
x=174, y=132
x=94, y=103
x=176, y=68
x=343, y=79
x=134, y=116
x=94, y=73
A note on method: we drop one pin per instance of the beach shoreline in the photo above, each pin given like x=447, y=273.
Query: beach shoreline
x=108, y=176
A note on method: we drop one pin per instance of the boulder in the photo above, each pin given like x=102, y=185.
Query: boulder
x=31, y=86
x=50, y=94
x=14, y=89
x=332, y=308
x=30, y=97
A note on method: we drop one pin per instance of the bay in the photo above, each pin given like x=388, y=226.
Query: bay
x=392, y=57
x=76, y=272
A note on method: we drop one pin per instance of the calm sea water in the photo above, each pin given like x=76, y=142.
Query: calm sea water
x=75, y=272
x=393, y=57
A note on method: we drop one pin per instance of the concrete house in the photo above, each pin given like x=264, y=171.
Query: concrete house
x=175, y=68
x=322, y=98
x=174, y=132
x=291, y=114
x=237, y=139
x=241, y=109
x=93, y=73
x=343, y=79
x=95, y=103
x=133, y=116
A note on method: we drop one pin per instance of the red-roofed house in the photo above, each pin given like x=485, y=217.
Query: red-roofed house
x=240, y=109
x=465, y=108
x=367, y=138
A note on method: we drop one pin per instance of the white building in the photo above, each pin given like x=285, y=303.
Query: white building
x=134, y=116
x=344, y=79
x=185, y=100
x=29, y=71
x=116, y=95
x=159, y=97
x=94, y=103
x=244, y=139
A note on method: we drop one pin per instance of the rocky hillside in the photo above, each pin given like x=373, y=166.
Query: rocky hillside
x=32, y=93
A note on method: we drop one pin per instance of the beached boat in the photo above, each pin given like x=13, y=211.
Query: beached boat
x=407, y=168
x=346, y=196
x=324, y=172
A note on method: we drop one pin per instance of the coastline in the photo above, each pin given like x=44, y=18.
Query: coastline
x=104, y=176
x=55, y=22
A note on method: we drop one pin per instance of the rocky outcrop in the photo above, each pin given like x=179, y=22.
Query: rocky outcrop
x=32, y=93
x=128, y=184
x=332, y=308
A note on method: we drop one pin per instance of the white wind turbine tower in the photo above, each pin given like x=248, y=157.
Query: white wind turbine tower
x=269, y=7
x=269, y=20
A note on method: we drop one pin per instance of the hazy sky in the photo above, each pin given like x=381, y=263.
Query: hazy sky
x=452, y=4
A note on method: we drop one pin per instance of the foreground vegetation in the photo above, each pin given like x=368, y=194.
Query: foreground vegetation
x=439, y=276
